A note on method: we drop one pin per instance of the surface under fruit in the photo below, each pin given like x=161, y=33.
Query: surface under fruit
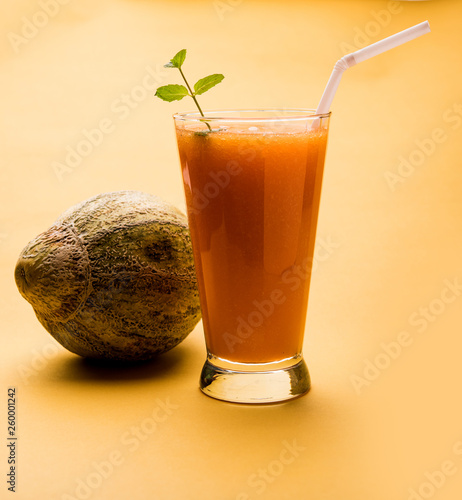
x=113, y=277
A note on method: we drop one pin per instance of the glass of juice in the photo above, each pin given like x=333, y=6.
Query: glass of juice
x=252, y=181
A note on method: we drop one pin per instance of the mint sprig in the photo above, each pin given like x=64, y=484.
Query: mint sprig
x=177, y=92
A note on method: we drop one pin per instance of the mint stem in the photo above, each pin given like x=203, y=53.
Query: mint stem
x=191, y=93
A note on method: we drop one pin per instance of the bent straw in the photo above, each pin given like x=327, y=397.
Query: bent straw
x=366, y=53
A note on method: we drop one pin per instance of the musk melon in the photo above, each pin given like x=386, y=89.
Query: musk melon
x=113, y=277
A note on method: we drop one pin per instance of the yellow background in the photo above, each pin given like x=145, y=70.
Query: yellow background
x=394, y=245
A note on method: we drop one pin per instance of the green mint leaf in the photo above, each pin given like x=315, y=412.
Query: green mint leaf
x=172, y=92
x=177, y=92
x=207, y=83
x=177, y=61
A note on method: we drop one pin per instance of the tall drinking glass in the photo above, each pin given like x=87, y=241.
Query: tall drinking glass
x=252, y=181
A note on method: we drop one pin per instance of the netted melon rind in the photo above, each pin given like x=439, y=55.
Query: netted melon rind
x=136, y=292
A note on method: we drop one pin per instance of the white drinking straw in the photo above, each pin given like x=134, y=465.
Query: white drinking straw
x=361, y=55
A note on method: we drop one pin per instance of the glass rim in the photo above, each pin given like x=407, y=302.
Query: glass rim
x=298, y=114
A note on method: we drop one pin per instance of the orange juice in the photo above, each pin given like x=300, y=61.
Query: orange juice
x=252, y=194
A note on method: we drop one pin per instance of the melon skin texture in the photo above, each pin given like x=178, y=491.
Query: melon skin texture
x=114, y=277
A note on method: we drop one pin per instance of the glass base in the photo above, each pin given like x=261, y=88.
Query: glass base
x=255, y=383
